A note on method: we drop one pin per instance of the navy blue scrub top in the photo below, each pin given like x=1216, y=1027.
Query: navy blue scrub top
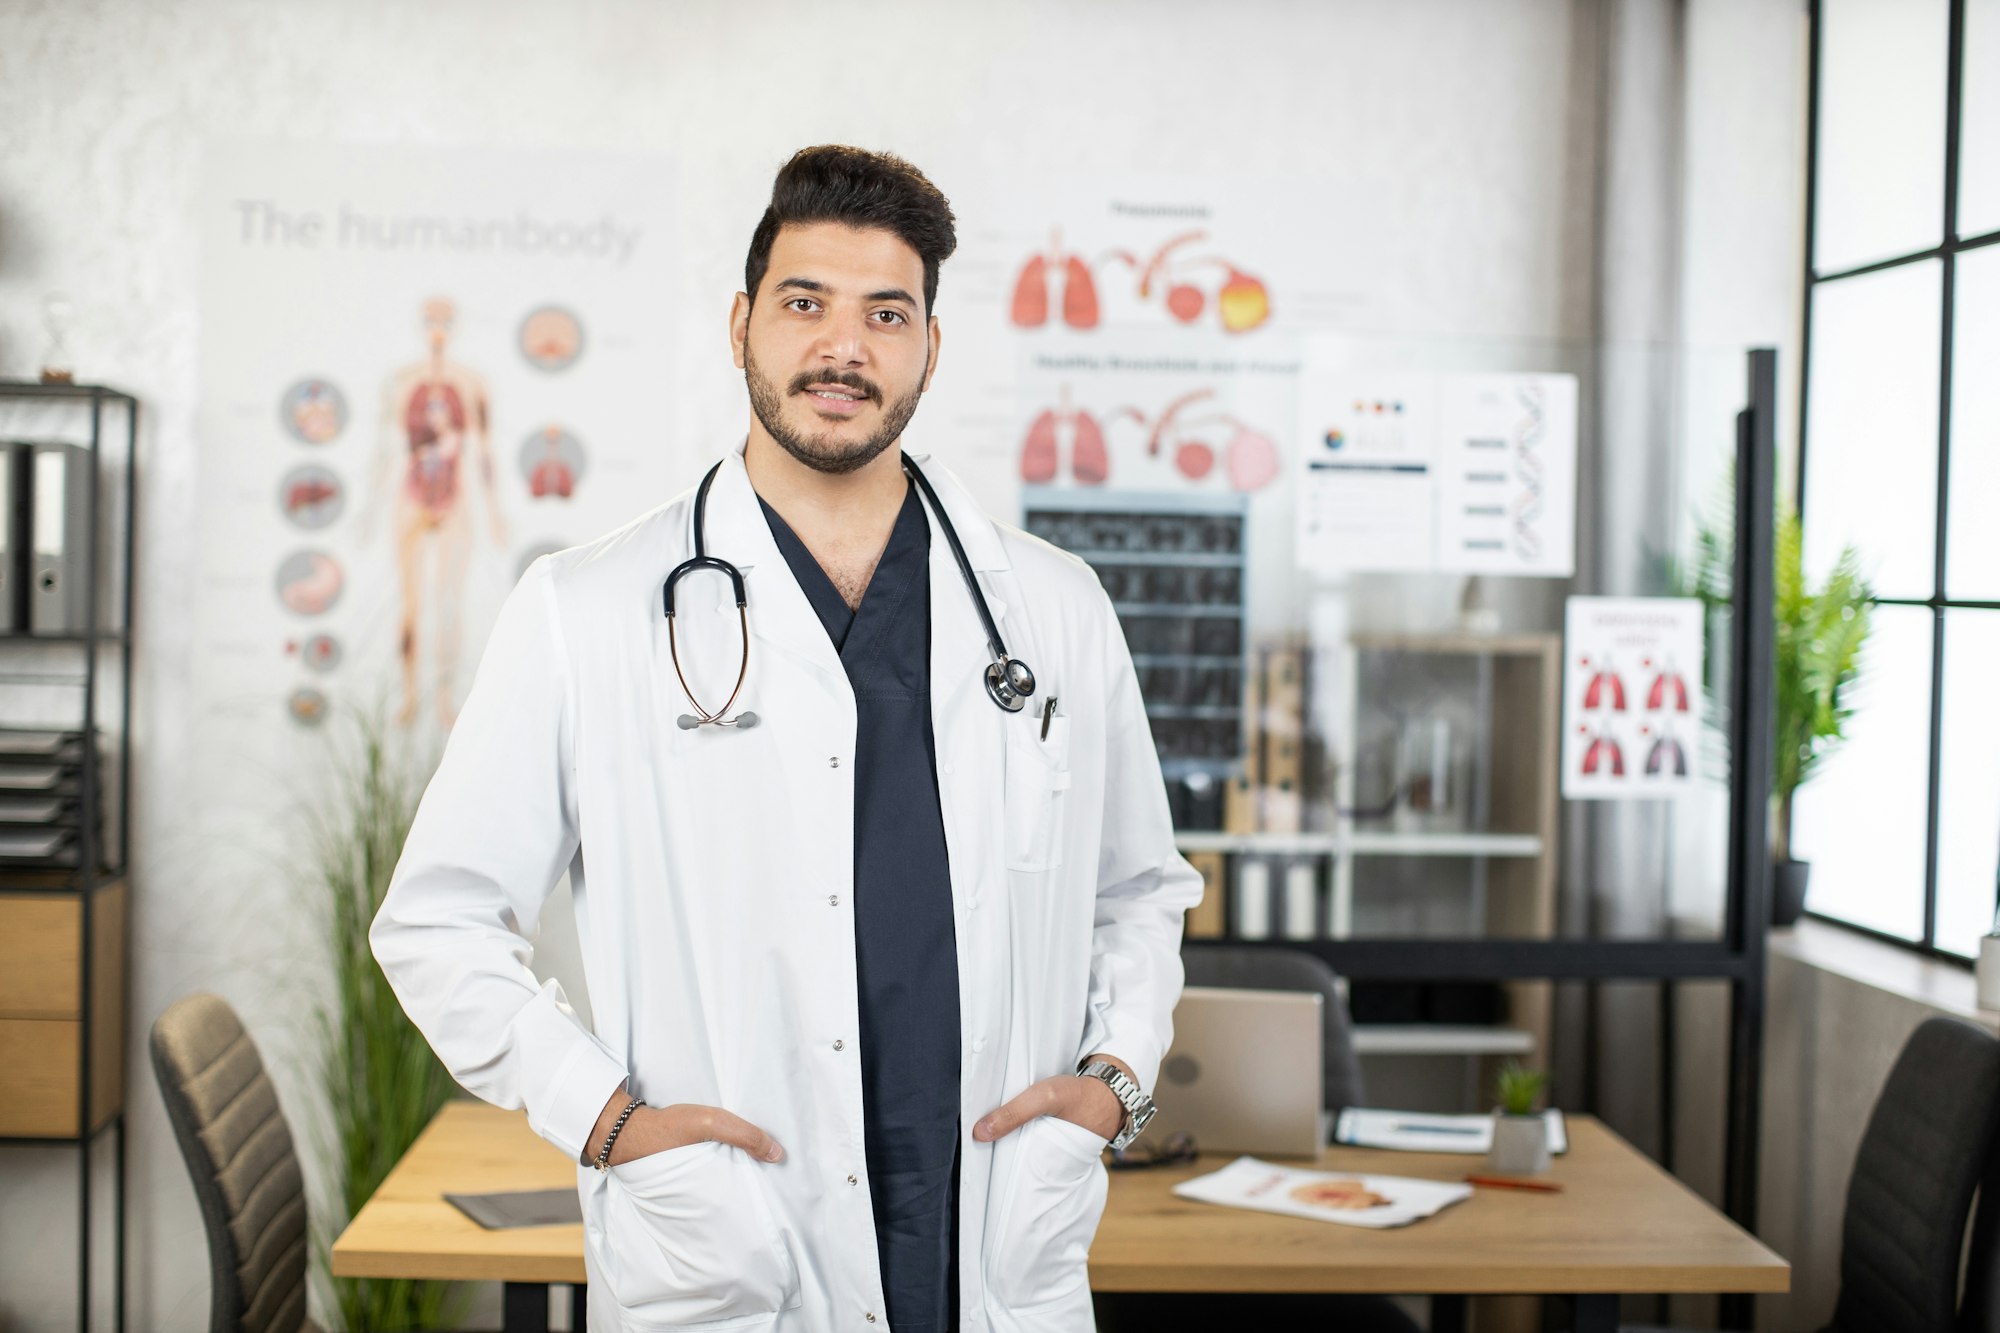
x=905, y=946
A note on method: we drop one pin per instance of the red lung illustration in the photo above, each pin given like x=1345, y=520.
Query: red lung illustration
x=1089, y=463
x=1079, y=295
x=1605, y=752
x=1031, y=295
x=1668, y=684
x=1194, y=459
x=1038, y=453
x=1253, y=461
x=1606, y=689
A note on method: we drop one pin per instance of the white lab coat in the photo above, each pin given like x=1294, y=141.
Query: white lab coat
x=712, y=872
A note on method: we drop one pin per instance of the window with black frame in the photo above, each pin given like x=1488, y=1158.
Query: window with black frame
x=1900, y=458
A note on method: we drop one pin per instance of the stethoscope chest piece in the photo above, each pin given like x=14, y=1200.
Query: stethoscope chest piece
x=1010, y=683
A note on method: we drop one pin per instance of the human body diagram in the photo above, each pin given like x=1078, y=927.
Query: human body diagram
x=435, y=422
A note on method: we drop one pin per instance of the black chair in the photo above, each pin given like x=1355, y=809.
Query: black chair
x=1258, y=968
x=238, y=1148
x=1929, y=1141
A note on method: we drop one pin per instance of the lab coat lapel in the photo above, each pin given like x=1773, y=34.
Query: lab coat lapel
x=964, y=720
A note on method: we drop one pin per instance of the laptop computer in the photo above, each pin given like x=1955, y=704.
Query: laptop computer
x=1244, y=1073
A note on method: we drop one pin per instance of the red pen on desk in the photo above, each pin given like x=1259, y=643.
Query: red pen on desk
x=1509, y=1183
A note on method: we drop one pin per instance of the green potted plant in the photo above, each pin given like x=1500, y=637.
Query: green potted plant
x=382, y=1081
x=1816, y=660
x=1520, y=1131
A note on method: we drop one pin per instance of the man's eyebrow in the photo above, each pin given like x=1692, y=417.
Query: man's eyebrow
x=814, y=285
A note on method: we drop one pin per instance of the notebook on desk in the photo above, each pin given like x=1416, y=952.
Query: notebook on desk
x=1421, y=1131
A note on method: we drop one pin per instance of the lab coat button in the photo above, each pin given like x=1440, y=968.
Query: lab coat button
x=839, y=1045
x=833, y=900
x=833, y=761
x=978, y=1045
x=852, y=1181
x=871, y=1316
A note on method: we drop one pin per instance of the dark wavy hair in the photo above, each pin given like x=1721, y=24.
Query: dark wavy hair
x=857, y=188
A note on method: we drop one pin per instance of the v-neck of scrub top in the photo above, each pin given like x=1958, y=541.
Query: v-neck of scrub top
x=906, y=953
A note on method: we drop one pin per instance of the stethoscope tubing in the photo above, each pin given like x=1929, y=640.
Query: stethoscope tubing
x=1008, y=681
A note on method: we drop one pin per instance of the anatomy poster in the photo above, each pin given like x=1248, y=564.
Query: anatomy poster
x=419, y=370
x=1460, y=473
x=1632, y=672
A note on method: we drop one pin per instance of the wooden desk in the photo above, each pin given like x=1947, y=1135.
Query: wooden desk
x=1621, y=1225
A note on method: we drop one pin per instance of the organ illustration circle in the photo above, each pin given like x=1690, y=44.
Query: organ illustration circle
x=313, y=411
x=320, y=653
x=551, y=338
x=309, y=582
x=551, y=462
x=307, y=705
x=311, y=496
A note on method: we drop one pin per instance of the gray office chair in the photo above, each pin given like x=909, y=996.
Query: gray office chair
x=1929, y=1140
x=1254, y=967
x=238, y=1148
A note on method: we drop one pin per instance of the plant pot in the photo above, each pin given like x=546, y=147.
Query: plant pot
x=1520, y=1145
x=1788, y=891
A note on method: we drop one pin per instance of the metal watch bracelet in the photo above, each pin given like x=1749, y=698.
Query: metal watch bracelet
x=1138, y=1106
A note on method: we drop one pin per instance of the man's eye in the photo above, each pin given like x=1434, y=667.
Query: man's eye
x=895, y=315
x=799, y=301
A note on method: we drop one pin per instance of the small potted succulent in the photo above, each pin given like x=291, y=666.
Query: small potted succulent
x=1520, y=1132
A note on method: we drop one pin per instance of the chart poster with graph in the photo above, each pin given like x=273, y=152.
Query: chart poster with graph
x=419, y=370
x=1455, y=473
x=1632, y=706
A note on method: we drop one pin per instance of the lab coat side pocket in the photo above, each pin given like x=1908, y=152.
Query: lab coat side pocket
x=1038, y=781
x=691, y=1242
x=1040, y=1261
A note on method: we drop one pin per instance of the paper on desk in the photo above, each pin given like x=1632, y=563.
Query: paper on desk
x=1324, y=1196
x=1417, y=1131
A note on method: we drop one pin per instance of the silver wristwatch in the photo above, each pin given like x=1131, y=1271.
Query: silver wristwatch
x=1138, y=1106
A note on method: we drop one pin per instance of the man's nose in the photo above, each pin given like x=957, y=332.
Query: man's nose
x=843, y=338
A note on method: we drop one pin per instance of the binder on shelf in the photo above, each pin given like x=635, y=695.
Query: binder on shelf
x=1251, y=899
x=59, y=544
x=1207, y=919
x=1284, y=737
x=15, y=459
x=1301, y=899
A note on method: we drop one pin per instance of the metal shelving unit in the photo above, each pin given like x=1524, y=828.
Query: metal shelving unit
x=98, y=884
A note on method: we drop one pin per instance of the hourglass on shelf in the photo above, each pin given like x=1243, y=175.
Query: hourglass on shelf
x=1240, y=300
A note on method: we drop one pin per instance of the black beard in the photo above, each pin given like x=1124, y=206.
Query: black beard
x=820, y=453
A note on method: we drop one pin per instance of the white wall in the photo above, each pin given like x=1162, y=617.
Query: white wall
x=1459, y=122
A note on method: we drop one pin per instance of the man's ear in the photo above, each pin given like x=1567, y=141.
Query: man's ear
x=936, y=332
x=739, y=326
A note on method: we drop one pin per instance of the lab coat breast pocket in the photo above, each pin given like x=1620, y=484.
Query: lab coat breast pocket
x=690, y=1242
x=1039, y=1264
x=1038, y=780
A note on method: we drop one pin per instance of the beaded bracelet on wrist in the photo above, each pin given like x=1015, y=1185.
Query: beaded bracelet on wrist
x=605, y=1153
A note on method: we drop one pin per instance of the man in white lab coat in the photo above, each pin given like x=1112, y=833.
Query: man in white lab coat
x=876, y=974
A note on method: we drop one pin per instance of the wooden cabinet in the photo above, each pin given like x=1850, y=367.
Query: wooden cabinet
x=43, y=1010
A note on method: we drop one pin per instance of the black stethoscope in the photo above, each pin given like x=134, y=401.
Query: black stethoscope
x=1008, y=680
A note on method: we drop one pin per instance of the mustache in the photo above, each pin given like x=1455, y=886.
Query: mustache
x=846, y=379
